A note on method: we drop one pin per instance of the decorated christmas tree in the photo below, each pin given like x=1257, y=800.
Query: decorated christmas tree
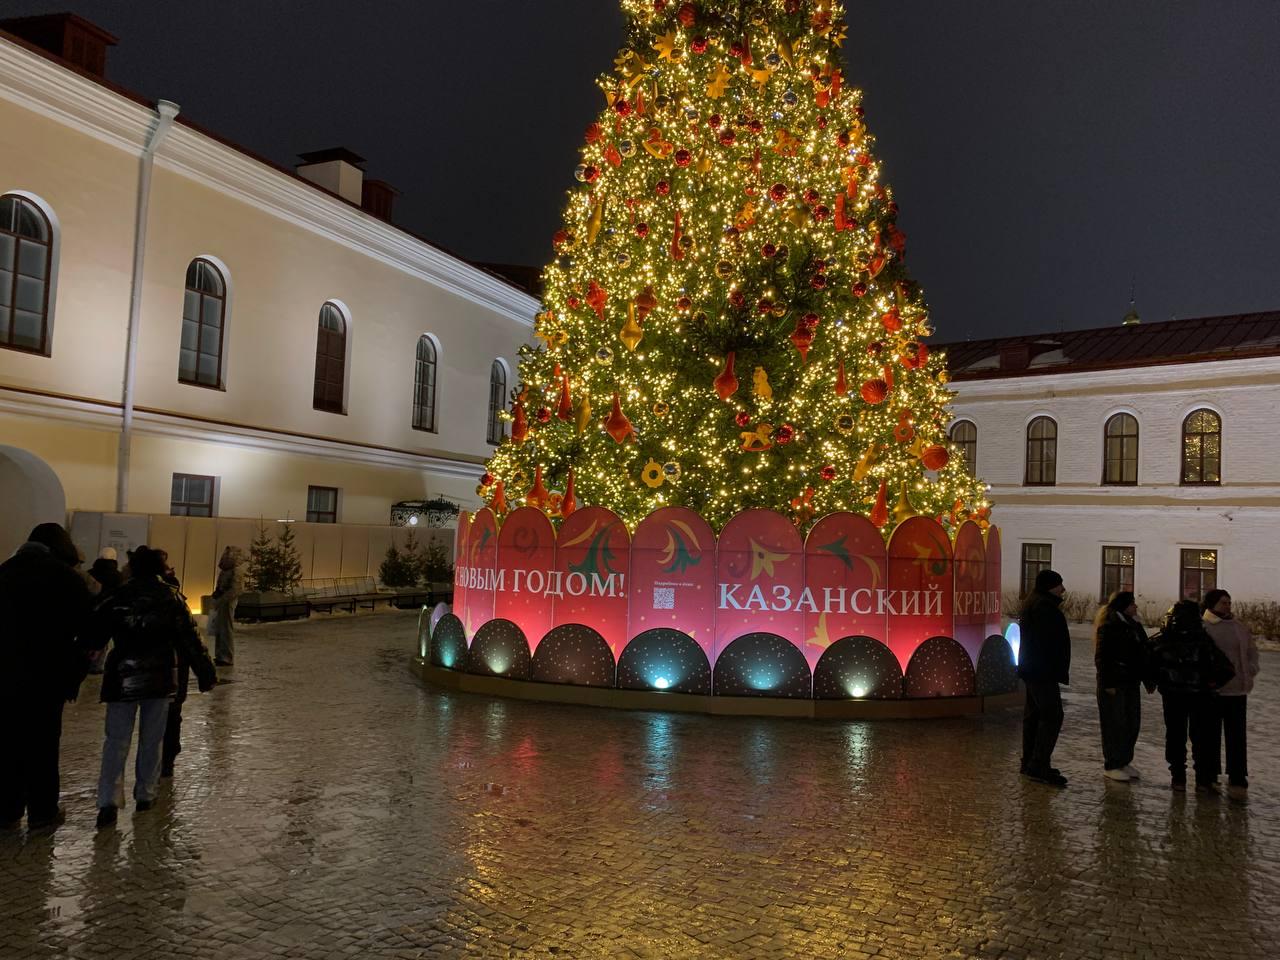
x=728, y=320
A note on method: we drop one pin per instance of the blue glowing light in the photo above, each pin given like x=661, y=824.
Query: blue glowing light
x=661, y=683
x=1014, y=636
x=763, y=680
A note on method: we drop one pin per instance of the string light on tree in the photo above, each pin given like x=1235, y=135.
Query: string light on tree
x=729, y=214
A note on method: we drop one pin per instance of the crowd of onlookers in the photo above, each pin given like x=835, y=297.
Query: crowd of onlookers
x=1202, y=661
x=57, y=623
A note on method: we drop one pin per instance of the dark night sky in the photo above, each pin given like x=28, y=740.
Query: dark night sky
x=1044, y=154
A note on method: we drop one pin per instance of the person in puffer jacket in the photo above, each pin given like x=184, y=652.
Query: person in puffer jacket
x=1186, y=668
x=149, y=627
x=1236, y=641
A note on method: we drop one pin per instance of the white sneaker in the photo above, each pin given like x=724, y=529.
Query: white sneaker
x=1132, y=771
x=1118, y=774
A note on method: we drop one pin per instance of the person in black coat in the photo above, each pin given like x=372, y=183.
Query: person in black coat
x=1044, y=662
x=1188, y=667
x=150, y=629
x=1120, y=654
x=43, y=605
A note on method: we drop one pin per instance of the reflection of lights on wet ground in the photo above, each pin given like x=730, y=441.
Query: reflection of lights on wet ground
x=1014, y=636
x=661, y=683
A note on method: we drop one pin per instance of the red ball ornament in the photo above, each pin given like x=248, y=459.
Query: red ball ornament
x=810, y=321
x=642, y=230
x=818, y=281
x=738, y=299
x=714, y=121
x=756, y=126
x=622, y=107
x=828, y=472
x=682, y=158
x=811, y=197
x=859, y=289
x=821, y=212
x=822, y=122
x=487, y=480
x=768, y=251
x=560, y=238
x=742, y=418
x=698, y=45
x=662, y=188
x=573, y=303
x=684, y=304
x=591, y=174
x=934, y=457
x=843, y=140
x=778, y=192
x=874, y=391
x=819, y=265
x=764, y=305
x=543, y=415
x=727, y=137
x=736, y=49
x=785, y=433
x=874, y=348
x=688, y=15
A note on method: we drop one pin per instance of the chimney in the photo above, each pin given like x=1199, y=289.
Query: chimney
x=378, y=198
x=338, y=170
x=77, y=41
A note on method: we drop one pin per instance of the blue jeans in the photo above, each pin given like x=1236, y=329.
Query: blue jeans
x=115, y=750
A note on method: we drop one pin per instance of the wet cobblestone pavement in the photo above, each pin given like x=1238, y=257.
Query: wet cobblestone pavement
x=330, y=806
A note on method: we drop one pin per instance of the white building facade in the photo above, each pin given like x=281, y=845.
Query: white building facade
x=186, y=329
x=1140, y=457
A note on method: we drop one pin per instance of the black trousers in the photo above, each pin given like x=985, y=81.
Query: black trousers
x=1229, y=722
x=1194, y=713
x=173, y=725
x=29, y=756
x=1041, y=724
x=1120, y=716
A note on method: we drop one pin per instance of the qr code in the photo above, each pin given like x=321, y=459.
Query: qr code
x=664, y=598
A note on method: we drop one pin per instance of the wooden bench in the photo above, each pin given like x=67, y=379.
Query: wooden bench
x=326, y=594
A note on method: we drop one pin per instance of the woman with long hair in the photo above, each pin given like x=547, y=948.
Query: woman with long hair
x=1120, y=653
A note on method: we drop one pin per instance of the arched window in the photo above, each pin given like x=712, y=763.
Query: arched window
x=204, y=312
x=1202, y=448
x=26, y=265
x=1120, y=450
x=424, y=385
x=1042, y=452
x=331, y=360
x=964, y=434
x=497, y=402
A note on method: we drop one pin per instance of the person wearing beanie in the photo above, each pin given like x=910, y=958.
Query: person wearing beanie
x=1120, y=654
x=1188, y=668
x=1236, y=642
x=1044, y=662
x=43, y=606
